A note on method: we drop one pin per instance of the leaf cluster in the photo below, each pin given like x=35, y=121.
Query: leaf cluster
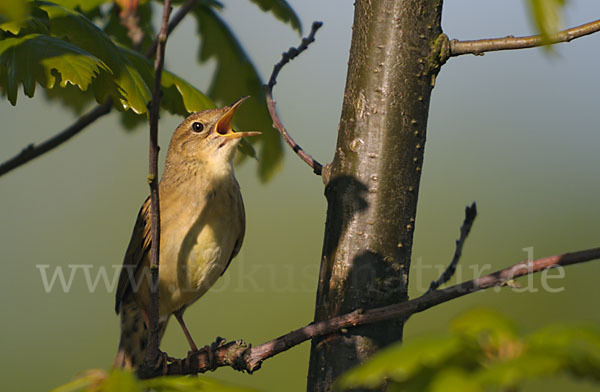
x=98, y=380
x=483, y=352
x=80, y=51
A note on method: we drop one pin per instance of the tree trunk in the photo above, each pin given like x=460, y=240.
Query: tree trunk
x=373, y=182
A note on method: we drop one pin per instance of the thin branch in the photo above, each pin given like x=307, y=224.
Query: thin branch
x=285, y=58
x=478, y=47
x=470, y=215
x=31, y=152
x=241, y=356
x=152, y=354
x=175, y=20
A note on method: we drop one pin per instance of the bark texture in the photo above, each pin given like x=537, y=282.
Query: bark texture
x=372, y=184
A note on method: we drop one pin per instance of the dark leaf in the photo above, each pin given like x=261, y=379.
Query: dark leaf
x=45, y=60
x=282, y=11
x=236, y=77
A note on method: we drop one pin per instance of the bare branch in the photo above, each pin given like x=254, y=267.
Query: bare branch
x=175, y=20
x=478, y=47
x=285, y=58
x=152, y=354
x=31, y=152
x=241, y=356
x=470, y=215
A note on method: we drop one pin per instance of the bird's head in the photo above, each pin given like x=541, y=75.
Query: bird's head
x=207, y=136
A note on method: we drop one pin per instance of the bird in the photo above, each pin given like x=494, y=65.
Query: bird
x=202, y=229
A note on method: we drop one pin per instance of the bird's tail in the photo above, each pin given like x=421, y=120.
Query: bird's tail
x=134, y=337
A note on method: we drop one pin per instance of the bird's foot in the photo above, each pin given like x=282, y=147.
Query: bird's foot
x=163, y=361
x=193, y=358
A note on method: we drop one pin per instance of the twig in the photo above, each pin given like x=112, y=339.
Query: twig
x=285, y=58
x=152, y=354
x=175, y=20
x=243, y=357
x=31, y=152
x=478, y=47
x=470, y=215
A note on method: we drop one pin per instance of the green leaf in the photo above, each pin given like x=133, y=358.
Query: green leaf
x=13, y=9
x=73, y=98
x=578, y=347
x=121, y=81
x=88, y=380
x=179, y=97
x=236, y=77
x=115, y=29
x=484, y=325
x=512, y=372
x=282, y=11
x=32, y=20
x=82, y=5
x=454, y=379
x=46, y=60
x=401, y=362
x=131, y=92
x=120, y=380
x=483, y=354
x=547, y=15
x=191, y=384
x=246, y=148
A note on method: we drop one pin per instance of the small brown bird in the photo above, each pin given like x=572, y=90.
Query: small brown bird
x=202, y=229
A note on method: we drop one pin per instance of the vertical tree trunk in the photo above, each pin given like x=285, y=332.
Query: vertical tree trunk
x=373, y=182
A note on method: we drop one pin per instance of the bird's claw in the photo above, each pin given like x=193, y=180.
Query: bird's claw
x=163, y=361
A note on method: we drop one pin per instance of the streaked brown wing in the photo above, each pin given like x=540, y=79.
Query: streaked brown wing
x=139, y=246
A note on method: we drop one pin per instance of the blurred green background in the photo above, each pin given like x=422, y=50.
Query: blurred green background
x=518, y=132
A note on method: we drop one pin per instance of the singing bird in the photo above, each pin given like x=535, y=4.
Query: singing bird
x=202, y=229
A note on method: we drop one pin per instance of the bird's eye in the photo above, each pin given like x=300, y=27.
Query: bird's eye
x=197, y=127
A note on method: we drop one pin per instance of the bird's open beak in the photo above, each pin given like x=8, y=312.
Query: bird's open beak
x=223, y=127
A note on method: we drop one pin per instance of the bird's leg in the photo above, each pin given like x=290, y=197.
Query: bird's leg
x=179, y=316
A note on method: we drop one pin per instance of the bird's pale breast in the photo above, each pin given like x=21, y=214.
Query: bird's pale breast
x=197, y=243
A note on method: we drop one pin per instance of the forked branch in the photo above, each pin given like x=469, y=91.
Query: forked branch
x=243, y=357
x=285, y=58
x=33, y=151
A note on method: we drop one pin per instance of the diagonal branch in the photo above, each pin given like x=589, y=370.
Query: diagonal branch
x=470, y=215
x=478, y=47
x=175, y=20
x=31, y=152
x=285, y=58
x=152, y=354
x=243, y=357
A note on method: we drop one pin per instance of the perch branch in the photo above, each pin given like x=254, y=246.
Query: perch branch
x=478, y=47
x=31, y=152
x=285, y=58
x=241, y=356
x=470, y=215
x=152, y=354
